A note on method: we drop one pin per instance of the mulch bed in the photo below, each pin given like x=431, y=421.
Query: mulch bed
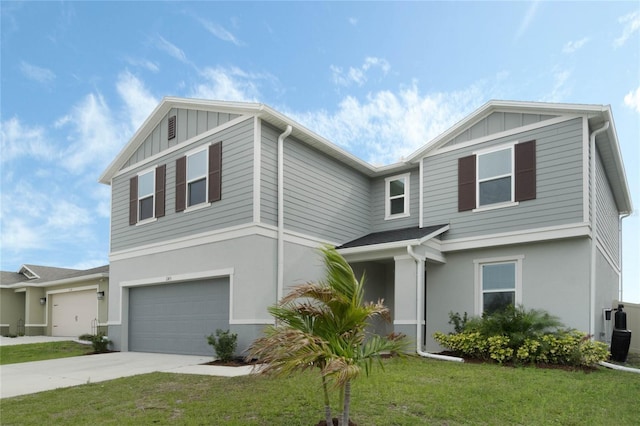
x=235, y=362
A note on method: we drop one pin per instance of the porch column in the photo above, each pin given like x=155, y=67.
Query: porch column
x=405, y=296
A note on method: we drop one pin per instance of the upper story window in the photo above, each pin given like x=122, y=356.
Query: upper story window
x=397, y=196
x=147, y=195
x=199, y=177
x=497, y=178
x=498, y=284
x=196, y=178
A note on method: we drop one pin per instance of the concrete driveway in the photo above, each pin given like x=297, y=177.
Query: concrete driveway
x=38, y=376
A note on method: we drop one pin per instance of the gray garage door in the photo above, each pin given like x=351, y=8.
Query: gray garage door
x=176, y=318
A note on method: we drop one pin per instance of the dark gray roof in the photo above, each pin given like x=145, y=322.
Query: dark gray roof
x=404, y=234
x=48, y=274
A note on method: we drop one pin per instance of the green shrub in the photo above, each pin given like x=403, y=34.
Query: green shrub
x=520, y=336
x=100, y=342
x=224, y=343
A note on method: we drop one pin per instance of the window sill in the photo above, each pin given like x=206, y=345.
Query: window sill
x=496, y=206
x=144, y=222
x=196, y=207
x=397, y=216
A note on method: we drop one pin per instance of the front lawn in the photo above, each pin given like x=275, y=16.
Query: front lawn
x=41, y=351
x=409, y=392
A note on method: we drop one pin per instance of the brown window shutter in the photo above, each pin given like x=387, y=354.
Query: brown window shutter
x=161, y=173
x=525, y=156
x=181, y=183
x=133, y=200
x=215, y=172
x=172, y=127
x=467, y=183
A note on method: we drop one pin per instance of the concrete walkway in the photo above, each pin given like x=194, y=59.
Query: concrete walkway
x=32, y=377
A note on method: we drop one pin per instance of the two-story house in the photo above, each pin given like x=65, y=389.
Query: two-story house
x=217, y=207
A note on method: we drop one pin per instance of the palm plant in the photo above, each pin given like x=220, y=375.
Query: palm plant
x=323, y=325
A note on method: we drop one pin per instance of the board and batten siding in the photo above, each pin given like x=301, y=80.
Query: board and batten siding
x=235, y=207
x=606, y=214
x=559, y=185
x=189, y=123
x=323, y=198
x=378, y=200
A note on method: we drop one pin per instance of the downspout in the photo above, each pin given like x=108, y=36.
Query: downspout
x=419, y=285
x=594, y=228
x=620, y=282
x=280, y=249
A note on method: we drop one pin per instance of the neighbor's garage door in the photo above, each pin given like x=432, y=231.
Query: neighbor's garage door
x=73, y=312
x=176, y=318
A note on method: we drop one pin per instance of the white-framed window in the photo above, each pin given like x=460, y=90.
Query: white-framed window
x=197, y=171
x=397, y=196
x=146, y=195
x=498, y=283
x=495, y=177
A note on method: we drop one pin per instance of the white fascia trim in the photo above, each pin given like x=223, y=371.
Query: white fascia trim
x=257, y=164
x=184, y=144
x=239, y=231
x=393, y=244
x=35, y=325
x=5, y=325
x=504, y=134
x=35, y=276
x=585, y=169
x=266, y=321
x=69, y=280
x=170, y=279
x=306, y=240
x=421, y=194
x=517, y=237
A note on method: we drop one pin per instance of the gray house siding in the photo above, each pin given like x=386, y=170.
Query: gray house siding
x=269, y=175
x=559, y=186
x=235, y=207
x=378, y=200
x=189, y=123
x=606, y=214
x=555, y=277
x=323, y=197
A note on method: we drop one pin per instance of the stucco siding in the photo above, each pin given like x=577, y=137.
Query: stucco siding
x=555, y=277
x=559, y=185
x=235, y=207
x=607, y=285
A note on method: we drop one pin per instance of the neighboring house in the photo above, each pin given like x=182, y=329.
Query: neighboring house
x=218, y=207
x=41, y=300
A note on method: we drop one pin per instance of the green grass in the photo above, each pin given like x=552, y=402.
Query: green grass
x=41, y=351
x=411, y=391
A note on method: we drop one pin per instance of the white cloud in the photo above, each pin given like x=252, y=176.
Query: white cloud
x=18, y=140
x=171, y=49
x=230, y=84
x=95, y=137
x=386, y=126
x=560, y=88
x=527, y=19
x=41, y=75
x=220, y=32
x=631, y=24
x=632, y=99
x=353, y=21
x=144, y=63
x=572, y=46
x=139, y=102
x=358, y=75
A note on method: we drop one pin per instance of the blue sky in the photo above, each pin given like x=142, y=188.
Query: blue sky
x=379, y=79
